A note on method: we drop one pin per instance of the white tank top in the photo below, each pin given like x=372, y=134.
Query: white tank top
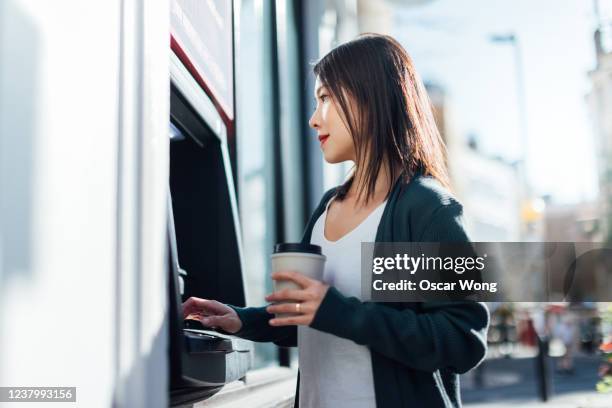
x=337, y=372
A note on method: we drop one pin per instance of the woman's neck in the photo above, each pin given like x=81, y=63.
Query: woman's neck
x=382, y=185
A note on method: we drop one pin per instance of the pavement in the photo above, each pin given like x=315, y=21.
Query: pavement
x=507, y=382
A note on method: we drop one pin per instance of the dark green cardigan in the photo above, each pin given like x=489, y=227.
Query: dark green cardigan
x=418, y=349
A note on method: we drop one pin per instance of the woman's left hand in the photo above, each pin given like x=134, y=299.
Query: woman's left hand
x=309, y=298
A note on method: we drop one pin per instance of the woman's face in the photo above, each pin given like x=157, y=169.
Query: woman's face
x=334, y=136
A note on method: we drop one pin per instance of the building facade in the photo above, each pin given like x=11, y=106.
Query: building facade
x=600, y=104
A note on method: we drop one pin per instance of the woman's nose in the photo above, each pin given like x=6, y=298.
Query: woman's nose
x=313, y=122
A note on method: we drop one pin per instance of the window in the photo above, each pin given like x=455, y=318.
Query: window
x=255, y=123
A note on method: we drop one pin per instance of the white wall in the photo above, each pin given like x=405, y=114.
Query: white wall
x=70, y=234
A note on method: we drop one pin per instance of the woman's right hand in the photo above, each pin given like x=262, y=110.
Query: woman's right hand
x=212, y=314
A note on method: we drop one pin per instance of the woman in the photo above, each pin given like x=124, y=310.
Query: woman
x=372, y=109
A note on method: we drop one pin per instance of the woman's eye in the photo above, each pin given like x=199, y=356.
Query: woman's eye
x=322, y=98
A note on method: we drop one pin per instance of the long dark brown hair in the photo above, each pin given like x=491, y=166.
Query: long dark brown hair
x=393, y=123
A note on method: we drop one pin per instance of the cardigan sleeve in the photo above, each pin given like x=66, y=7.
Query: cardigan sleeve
x=449, y=334
x=255, y=327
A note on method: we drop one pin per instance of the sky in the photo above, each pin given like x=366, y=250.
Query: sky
x=449, y=43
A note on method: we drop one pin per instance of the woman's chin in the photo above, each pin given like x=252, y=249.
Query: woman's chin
x=332, y=158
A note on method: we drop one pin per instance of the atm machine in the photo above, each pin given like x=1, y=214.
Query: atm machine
x=204, y=248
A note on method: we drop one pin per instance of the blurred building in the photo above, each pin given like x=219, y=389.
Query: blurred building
x=488, y=187
x=579, y=223
x=600, y=103
x=489, y=190
x=571, y=222
x=437, y=97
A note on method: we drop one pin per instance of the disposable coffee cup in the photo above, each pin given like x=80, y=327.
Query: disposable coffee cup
x=306, y=259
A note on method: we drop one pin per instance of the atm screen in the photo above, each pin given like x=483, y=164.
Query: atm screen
x=205, y=258
x=206, y=235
